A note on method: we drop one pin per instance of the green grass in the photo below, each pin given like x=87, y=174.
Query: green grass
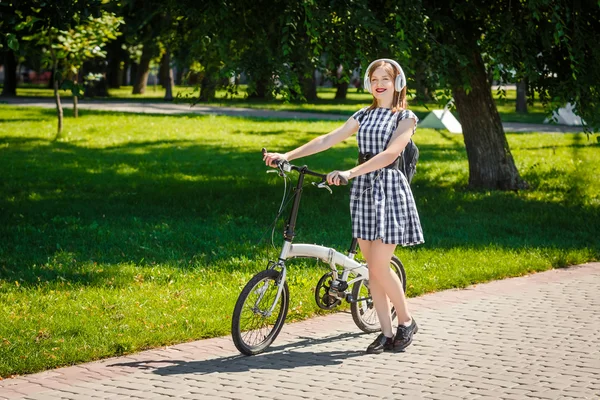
x=137, y=231
x=325, y=104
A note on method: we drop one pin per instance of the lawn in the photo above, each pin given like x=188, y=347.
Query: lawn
x=326, y=103
x=137, y=231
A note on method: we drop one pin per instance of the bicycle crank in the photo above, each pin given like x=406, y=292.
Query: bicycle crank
x=323, y=297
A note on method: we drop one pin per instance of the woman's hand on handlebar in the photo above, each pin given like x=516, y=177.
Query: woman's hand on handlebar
x=271, y=159
x=338, y=177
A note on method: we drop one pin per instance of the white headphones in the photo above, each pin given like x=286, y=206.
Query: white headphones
x=400, y=79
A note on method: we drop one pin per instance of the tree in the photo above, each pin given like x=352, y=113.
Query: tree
x=239, y=37
x=79, y=44
x=521, y=103
x=542, y=40
x=61, y=28
x=11, y=15
x=348, y=32
x=258, y=55
x=10, y=71
x=36, y=16
x=152, y=26
x=220, y=40
x=205, y=56
x=559, y=55
x=66, y=51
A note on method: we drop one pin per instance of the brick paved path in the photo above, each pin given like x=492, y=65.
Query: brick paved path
x=534, y=337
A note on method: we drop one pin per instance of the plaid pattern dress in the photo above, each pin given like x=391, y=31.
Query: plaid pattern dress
x=382, y=205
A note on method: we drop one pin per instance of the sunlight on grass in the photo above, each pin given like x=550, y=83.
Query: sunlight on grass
x=136, y=231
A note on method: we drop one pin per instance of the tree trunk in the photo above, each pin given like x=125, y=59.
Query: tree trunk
x=193, y=78
x=123, y=74
x=75, y=99
x=116, y=56
x=342, y=87
x=10, y=74
x=114, y=74
x=208, y=86
x=260, y=89
x=165, y=72
x=491, y=165
x=421, y=89
x=309, y=87
x=75, y=109
x=51, y=80
x=168, y=82
x=342, y=91
x=143, y=70
x=133, y=69
x=59, y=110
x=521, y=106
x=179, y=76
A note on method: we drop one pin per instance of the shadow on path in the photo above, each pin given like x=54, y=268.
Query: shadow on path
x=280, y=357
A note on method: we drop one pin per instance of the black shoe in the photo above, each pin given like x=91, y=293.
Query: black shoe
x=404, y=335
x=380, y=344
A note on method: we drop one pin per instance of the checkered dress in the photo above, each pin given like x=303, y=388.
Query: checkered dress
x=382, y=205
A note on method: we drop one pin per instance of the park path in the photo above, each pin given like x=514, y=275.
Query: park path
x=531, y=337
x=171, y=108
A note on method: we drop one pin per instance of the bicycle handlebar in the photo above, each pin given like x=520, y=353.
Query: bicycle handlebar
x=281, y=165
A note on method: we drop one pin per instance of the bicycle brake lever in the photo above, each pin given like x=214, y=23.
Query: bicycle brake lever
x=323, y=185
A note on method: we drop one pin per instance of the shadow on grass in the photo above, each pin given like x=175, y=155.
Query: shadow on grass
x=65, y=208
x=2, y=120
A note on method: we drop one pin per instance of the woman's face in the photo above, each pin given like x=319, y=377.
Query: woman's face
x=382, y=86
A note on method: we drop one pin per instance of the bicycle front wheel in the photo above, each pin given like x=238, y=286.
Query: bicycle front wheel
x=254, y=327
x=363, y=310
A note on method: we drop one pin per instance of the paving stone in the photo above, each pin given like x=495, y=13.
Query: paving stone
x=490, y=341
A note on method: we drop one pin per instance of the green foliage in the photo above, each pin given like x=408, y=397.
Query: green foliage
x=72, y=47
x=40, y=15
x=551, y=44
x=12, y=41
x=278, y=43
x=137, y=231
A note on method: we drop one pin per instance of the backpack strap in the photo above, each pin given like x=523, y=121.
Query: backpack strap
x=397, y=117
x=407, y=160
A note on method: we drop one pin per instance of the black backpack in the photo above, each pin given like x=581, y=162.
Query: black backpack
x=408, y=160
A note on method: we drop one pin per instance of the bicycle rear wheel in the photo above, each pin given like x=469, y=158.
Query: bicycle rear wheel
x=253, y=329
x=363, y=310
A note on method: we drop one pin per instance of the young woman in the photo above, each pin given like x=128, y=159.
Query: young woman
x=382, y=206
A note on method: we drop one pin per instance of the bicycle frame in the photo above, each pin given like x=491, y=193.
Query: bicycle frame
x=328, y=255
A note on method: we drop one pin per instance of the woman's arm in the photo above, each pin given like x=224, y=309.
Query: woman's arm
x=398, y=142
x=316, y=145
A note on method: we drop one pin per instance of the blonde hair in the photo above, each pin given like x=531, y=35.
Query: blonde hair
x=399, y=100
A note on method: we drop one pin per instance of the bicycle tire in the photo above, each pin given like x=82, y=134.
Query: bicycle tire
x=264, y=329
x=363, y=312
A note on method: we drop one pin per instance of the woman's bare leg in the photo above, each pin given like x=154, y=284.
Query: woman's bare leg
x=384, y=284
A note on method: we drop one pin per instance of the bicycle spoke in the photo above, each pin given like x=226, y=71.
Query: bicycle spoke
x=254, y=325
